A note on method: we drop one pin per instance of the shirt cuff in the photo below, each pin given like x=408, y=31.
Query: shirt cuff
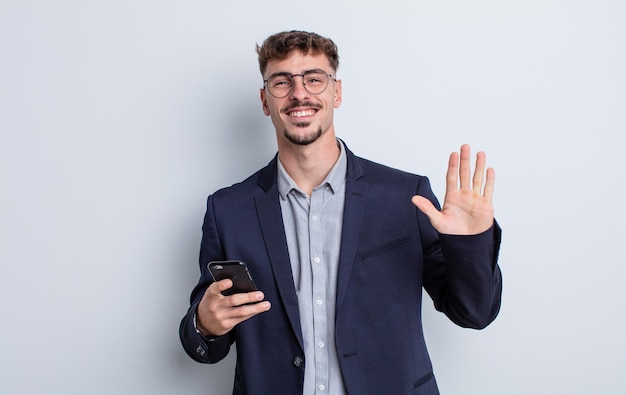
x=195, y=326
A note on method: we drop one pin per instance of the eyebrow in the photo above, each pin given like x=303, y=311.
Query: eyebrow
x=304, y=72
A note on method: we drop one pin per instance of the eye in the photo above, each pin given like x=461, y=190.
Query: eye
x=280, y=82
x=314, y=79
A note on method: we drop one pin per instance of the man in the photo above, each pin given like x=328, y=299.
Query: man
x=339, y=248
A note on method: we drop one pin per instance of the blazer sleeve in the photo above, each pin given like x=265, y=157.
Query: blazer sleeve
x=461, y=273
x=198, y=347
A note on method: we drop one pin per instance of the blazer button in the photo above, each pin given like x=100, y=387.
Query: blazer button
x=201, y=351
x=298, y=361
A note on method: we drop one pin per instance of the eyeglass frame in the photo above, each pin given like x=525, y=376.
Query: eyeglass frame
x=293, y=84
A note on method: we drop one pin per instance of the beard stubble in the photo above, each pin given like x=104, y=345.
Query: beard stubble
x=304, y=139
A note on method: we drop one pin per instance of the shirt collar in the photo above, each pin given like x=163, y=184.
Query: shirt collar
x=335, y=178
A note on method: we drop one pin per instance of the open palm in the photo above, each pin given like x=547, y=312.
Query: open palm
x=467, y=206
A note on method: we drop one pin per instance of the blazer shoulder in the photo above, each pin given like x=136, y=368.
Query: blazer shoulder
x=377, y=172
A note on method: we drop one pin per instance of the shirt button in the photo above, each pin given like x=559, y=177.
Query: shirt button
x=321, y=387
x=319, y=302
x=321, y=344
x=314, y=217
x=297, y=361
x=316, y=260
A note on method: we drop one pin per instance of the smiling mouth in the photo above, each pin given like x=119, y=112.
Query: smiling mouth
x=302, y=113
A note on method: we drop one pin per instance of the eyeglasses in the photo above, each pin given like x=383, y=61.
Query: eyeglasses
x=281, y=84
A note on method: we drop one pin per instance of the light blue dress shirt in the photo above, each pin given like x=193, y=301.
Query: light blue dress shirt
x=313, y=227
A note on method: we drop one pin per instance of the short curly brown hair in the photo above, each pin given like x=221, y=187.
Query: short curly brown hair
x=280, y=45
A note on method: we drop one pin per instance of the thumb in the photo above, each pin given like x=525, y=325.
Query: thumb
x=427, y=207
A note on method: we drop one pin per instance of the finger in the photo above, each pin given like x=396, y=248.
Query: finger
x=218, y=314
x=427, y=207
x=219, y=286
x=490, y=183
x=479, y=172
x=246, y=305
x=239, y=299
x=452, y=176
x=246, y=311
x=236, y=315
x=464, y=167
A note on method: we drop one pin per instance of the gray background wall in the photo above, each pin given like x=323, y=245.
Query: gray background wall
x=118, y=118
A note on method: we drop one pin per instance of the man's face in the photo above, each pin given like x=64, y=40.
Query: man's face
x=301, y=117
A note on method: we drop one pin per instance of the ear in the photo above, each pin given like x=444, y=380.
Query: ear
x=338, y=94
x=266, y=109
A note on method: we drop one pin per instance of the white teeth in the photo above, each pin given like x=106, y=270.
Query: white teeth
x=301, y=113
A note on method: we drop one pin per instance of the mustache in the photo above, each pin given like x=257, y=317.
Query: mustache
x=301, y=105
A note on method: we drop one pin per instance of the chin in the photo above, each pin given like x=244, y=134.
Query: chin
x=303, y=139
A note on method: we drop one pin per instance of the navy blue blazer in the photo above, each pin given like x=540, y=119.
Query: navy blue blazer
x=389, y=251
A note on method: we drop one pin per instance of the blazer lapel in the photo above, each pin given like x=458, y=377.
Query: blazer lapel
x=354, y=209
x=270, y=218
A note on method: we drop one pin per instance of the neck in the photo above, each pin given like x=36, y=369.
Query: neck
x=309, y=165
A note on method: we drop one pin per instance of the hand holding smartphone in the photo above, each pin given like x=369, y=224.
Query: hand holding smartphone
x=237, y=272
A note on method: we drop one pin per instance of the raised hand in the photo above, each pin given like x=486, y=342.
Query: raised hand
x=467, y=207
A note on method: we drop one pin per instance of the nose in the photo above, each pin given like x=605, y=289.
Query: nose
x=298, y=91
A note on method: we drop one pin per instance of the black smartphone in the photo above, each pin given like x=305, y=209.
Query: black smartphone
x=237, y=271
